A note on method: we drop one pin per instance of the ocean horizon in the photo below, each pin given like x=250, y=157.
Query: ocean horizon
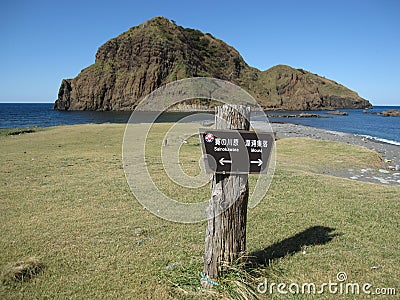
x=373, y=126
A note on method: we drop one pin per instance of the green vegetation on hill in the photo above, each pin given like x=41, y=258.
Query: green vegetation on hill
x=65, y=206
x=283, y=87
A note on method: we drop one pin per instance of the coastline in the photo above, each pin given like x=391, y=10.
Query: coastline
x=389, y=174
x=390, y=153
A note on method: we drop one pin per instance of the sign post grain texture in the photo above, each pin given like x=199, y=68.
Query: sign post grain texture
x=225, y=238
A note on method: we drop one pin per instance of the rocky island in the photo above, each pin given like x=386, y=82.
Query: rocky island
x=391, y=113
x=137, y=62
x=387, y=113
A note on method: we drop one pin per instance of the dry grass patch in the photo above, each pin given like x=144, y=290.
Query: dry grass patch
x=22, y=271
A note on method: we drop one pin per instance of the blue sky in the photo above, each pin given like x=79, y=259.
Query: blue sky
x=356, y=43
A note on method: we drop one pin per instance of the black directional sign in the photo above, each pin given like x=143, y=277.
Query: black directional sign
x=236, y=151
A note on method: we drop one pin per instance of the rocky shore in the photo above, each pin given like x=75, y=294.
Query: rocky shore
x=390, y=154
x=388, y=113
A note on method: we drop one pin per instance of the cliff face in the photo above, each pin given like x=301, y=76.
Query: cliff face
x=137, y=62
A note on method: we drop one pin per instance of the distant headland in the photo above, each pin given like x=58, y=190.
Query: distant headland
x=140, y=60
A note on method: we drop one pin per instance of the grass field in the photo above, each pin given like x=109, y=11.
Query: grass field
x=67, y=212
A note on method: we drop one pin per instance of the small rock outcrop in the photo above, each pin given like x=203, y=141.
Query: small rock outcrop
x=391, y=113
x=338, y=113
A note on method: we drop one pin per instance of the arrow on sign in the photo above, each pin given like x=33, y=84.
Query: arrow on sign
x=223, y=161
x=259, y=162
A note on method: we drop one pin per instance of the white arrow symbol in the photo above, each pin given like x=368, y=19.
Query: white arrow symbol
x=259, y=162
x=223, y=161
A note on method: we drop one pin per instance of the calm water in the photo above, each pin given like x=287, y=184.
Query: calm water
x=17, y=115
x=386, y=129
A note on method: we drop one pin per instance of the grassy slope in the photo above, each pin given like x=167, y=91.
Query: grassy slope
x=64, y=199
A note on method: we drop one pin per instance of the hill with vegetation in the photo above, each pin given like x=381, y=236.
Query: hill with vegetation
x=140, y=60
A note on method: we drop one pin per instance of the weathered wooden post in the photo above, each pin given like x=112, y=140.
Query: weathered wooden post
x=227, y=212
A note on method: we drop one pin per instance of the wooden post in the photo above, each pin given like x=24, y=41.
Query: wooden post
x=227, y=212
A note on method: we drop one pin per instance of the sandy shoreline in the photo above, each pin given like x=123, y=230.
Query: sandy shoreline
x=390, y=153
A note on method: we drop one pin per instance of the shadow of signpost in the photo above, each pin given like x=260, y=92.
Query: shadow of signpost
x=316, y=235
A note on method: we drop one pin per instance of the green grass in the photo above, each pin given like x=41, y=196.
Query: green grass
x=320, y=156
x=19, y=131
x=64, y=202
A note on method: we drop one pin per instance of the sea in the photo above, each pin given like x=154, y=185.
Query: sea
x=370, y=125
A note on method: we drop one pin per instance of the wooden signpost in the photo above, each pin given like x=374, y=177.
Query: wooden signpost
x=230, y=156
